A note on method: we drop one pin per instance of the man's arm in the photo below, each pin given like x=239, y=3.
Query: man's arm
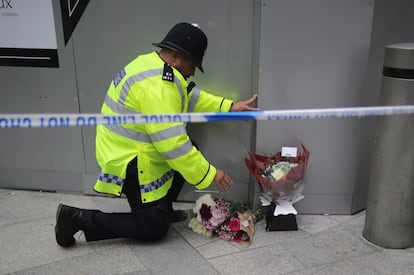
x=244, y=105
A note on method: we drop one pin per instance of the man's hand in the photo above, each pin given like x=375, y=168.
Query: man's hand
x=244, y=105
x=223, y=181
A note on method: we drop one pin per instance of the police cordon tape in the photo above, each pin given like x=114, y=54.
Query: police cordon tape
x=79, y=120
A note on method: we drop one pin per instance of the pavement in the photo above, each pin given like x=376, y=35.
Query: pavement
x=324, y=244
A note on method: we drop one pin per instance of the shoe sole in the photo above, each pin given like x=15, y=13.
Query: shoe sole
x=58, y=213
x=59, y=210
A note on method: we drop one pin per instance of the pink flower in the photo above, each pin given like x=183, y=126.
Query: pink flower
x=214, y=221
x=215, y=212
x=208, y=225
x=234, y=225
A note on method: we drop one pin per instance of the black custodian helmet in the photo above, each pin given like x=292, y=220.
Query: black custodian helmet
x=188, y=40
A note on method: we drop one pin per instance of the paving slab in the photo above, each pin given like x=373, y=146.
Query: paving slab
x=388, y=262
x=172, y=255
x=31, y=244
x=195, y=240
x=263, y=238
x=324, y=244
x=314, y=224
x=118, y=260
x=217, y=248
x=266, y=260
x=328, y=247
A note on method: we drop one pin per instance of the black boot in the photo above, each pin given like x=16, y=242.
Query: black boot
x=177, y=216
x=66, y=225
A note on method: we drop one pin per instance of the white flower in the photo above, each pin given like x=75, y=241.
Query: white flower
x=198, y=228
x=281, y=168
x=205, y=199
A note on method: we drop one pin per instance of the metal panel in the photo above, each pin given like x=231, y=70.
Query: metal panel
x=32, y=158
x=314, y=54
x=311, y=54
x=392, y=23
x=111, y=34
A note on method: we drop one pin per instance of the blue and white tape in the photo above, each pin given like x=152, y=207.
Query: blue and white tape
x=77, y=120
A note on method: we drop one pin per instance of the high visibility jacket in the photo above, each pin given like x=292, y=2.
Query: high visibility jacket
x=148, y=85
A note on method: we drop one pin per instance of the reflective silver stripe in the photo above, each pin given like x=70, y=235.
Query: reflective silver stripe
x=118, y=107
x=145, y=188
x=193, y=100
x=109, y=178
x=128, y=133
x=168, y=133
x=178, y=152
x=135, y=78
x=180, y=88
x=142, y=76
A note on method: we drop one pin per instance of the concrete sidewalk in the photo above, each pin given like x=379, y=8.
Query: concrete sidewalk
x=324, y=244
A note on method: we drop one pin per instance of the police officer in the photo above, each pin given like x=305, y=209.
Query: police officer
x=150, y=162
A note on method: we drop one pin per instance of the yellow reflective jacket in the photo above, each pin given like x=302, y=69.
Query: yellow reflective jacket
x=148, y=85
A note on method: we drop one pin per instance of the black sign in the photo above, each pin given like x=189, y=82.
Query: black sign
x=29, y=57
x=72, y=11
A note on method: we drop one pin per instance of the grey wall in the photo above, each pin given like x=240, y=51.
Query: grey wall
x=49, y=159
x=314, y=54
x=393, y=23
x=296, y=54
x=106, y=38
x=118, y=35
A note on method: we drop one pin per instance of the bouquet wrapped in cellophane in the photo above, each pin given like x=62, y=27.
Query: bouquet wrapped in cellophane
x=280, y=177
x=229, y=221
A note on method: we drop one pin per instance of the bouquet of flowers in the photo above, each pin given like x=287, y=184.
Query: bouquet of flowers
x=280, y=177
x=228, y=221
x=281, y=180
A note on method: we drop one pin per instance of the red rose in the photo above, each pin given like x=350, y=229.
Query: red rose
x=205, y=212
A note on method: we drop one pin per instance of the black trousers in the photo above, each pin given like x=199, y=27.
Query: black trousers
x=145, y=222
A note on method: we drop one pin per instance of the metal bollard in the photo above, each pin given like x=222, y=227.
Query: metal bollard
x=389, y=220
